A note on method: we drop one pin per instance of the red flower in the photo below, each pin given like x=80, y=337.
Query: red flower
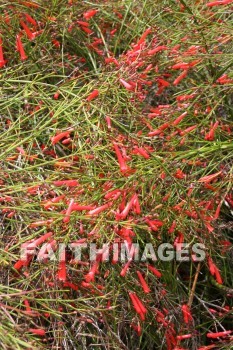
x=143, y=282
x=214, y=271
x=92, y=95
x=68, y=212
x=156, y=272
x=55, y=139
x=30, y=19
x=179, y=174
x=180, y=77
x=125, y=269
x=68, y=183
x=61, y=275
x=219, y=334
x=126, y=85
x=37, y=331
x=138, y=306
x=141, y=151
x=157, y=49
x=87, y=15
x=144, y=35
x=219, y=2
x=20, y=48
x=2, y=61
x=123, y=166
x=210, y=135
x=99, y=209
x=209, y=178
x=30, y=35
x=189, y=129
x=184, y=336
x=186, y=313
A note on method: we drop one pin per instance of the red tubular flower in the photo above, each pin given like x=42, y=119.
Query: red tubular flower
x=30, y=35
x=182, y=98
x=224, y=79
x=123, y=166
x=156, y=272
x=143, y=282
x=137, y=328
x=78, y=207
x=179, y=119
x=184, y=336
x=44, y=251
x=143, y=36
x=154, y=224
x=68, y=212
x=229, y=200
x=126, y=210
x=126, y=85
x=125, y=269
x=20, y=48
x=217, y=212
x=210, y=135
x=83, y=24
x=55, y=139
x=180, y=77
x=214, y=271
x=170, y=337
x=41, y=239
x=219, y=2
x=172, y=227
x=57, y=44
x=186, y=313
x=87, y=30
x=61, y=274
x=67, y=183
x=89, y=14
x=209, y=178
x=218, y=334
x=113, y=194
x=136, y=205
x=29, y=4
x=19, y=264
x=90, y=276
x=27, y=306
x=92, y=95
x=2, y=61
x=181, y=65
x=49, y=203
x=111, y=60
x=154, y=132
x=160, y=318
x=41, y=223
x=178, y=240
x=134, y=302
x=138, y=306
x=179, y=174
x=141, y=151
x=108, y=121
x=37, y=331
x=159, y=130
x=30, y=19
x=99, y=209
x=163, y=82
x=157, y=49
x=70, y=285
x=189, y=129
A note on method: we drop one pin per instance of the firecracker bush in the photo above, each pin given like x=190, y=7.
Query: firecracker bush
x=116, y=126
